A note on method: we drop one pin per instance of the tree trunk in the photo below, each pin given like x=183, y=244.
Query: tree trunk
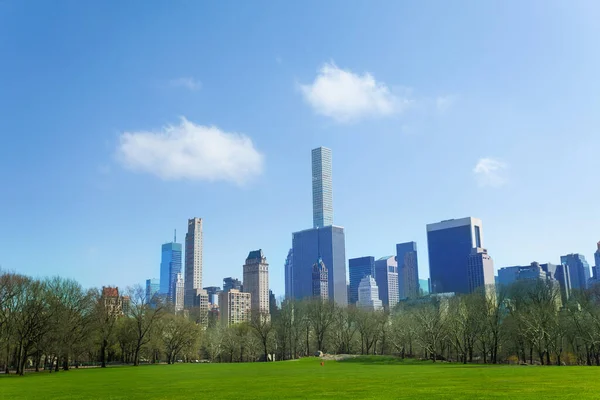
x=103, y=353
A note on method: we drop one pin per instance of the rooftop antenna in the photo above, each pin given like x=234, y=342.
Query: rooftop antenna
x=175, y=236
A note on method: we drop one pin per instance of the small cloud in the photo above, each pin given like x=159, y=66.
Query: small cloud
x=490, y=172
x=444, y=103
x=186, y=83
x=190, y=151
x=278, y=60
x=346, y=97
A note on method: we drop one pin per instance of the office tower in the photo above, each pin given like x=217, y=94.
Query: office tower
x=449, y=244
x=289, y=293
x=232, y=283
x=386, y=277
x=170, y=266
x=368, y=295
x=561, y=274
x=256, y=282
x=408, y=270
x=152, y=288
x=329, y=244
x=180, y=293
x=579, y=270
x=213, y=294
x=322, y=188
x=193, y=260
x=480, y=270
x=358, y=268
x=320, y=281
x=423, y=287
x=234, y=307
x=597, y=258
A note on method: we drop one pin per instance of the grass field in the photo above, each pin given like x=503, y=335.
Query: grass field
x=363, y=378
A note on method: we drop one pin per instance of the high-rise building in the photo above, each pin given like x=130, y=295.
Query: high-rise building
x=408, y=270
x=232, y=283
x=213, y=294
x=288, y=267
x=234, y=307
x=329, y=244
x=152, y=288
x=597, y=257
x=273, y=309
x=386, y=277
x=193, y=260
x=170, y=266
x=201, y=306
x=579, y=270
x=322, y=188
x=561, y=274
x=256, y=281
x=480, y=270
x=368, y=294
x=449, y=244
x=320, y=281
x=180, y=293
x=358, y=268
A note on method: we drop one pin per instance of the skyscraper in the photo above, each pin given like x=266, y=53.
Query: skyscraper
x=408, y=270
x=329, y=244
x=561, y=274
x=288, y=267
x=193, y=260
x=152, y=288
x=358, y=268
x=449, y=244
x=322, y=187
x=231, y=283
x=320, y=281
x=480, y=270
x=170, y=266
x=368, y=294
x=579, y=270
x=256, y=282
x=597, y=257
x=386, y=277
x=179, y=293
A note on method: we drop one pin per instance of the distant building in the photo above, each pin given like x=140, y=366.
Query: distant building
x=322, y=187
x=368, y=295
x=256, y=281
x=358, y=268
x=152, y=288
x=561, y=274
x=320, y=281
x=113, y=302
x=386, y=277
x=557, y=274
x=193, y=260
x=329, y=244
x=179, y=293
x=273, y=309
x=408, y=270
x=449, y=244
x=232, y=283
x=170, y=266
x=213, y=294
x=202, y=305
x=234, y=307
x=288, y=270
x=424, y=287
x=597, y=262
x=480, y=270
x=579, y=270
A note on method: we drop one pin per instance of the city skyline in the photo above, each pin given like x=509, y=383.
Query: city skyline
x=421, y=130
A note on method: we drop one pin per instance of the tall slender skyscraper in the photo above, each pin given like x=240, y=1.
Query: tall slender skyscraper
x=597, y=259
x=170, y=266
x=450, y=243
x=193, y=260
x=288, y=269
x=322, y=187
x=256, y=282
x=408, y=270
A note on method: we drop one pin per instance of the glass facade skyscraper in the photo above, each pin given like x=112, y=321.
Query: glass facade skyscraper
x=579, y=270
x=152, y=288
x=329, y=243
x=597, y=257
x=170, y=266
x=358, y=268
x=408, y=270
x=322, y=188
x=449, y=244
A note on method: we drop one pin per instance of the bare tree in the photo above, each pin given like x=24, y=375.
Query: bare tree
x=144, y=315
x=262, y=327
x=320, y=317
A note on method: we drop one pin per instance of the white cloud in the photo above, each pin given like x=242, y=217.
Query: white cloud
x=345, y=96
x=490, y=172
x=190, y=151
x=186, y=83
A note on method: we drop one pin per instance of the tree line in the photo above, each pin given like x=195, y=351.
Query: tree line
x=55, y=324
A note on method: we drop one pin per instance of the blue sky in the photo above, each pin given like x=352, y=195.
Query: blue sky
x=120, y=121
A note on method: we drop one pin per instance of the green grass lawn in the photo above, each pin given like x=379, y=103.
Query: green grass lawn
x=367, y=378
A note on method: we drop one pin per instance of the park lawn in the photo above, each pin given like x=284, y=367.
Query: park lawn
x=366, y=378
